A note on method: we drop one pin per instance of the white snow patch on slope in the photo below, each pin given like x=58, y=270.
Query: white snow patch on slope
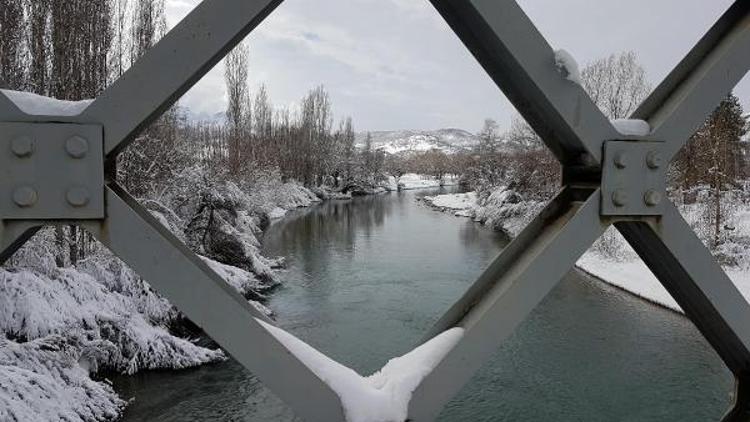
x=630, y=275
x=411, y=181
x=38, y=105
x=462, y=204
x=383, y=396
x=635, y=277
x=454, y=201
x=568, y=66
x=633, y=127
x=409, y=141
x=42, y=380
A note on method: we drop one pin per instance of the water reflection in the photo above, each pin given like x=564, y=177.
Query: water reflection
x=366, y=278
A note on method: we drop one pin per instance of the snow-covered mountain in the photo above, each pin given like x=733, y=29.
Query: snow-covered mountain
x=394, y=142
x=192, y=116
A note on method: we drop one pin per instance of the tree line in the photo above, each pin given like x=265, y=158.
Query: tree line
x=73, y=49
x=710, y=172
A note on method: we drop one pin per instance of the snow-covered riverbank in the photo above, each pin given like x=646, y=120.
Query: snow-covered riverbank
x=410, y=181
x=611, y=259
x=63, y=326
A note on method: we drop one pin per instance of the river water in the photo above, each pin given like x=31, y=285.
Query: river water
x=366, y=278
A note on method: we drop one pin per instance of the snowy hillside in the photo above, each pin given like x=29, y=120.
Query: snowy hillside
x=204, y=117
x=394, y=142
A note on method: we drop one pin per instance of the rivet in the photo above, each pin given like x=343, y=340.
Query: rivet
x=22, y=147
x=77, y=147
x=24, y=196
x=78, y=196
x=654, y=160
x=621, y=160
x=652, y=198
x=620, y=197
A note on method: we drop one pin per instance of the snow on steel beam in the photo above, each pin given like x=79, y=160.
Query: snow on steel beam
x=181, y=276
x=717, y=63
x=169, y=69
x=521, y=276
x=521, y=62
x=695, y=280
x=9, y=112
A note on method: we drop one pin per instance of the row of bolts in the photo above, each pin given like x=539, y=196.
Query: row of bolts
x=652, y=197
x=26, y=196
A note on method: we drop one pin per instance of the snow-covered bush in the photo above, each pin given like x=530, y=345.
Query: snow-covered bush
x=43, y=380
x=505, y=210
x=34, y=306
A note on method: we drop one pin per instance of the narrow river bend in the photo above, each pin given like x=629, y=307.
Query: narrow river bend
x=366, y=278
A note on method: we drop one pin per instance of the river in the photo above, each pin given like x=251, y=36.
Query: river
x=366, y=278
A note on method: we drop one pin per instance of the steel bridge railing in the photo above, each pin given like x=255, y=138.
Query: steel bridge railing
x=66, y=177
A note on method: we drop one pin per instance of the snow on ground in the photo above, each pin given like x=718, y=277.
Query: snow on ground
x=462, y=204
x=630, y=275
x=383, y=396
x=42, y=380
x=568, y=66
x=44, y=106
x=502, y=210
x=611, y=259
x=418, y=181
x=635, y=277
x=60, y=326
x=633, y=127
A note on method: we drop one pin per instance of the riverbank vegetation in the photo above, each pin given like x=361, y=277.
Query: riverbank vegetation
x=514, y=175
x=71, y=312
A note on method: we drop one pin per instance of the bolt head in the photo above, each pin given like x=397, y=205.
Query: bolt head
x=652, y=198
x=22, y=147
x=77, y=147
x=620, y=197
x=25, y=196
x=621, y=160
x=654, y=160
x=78, y=197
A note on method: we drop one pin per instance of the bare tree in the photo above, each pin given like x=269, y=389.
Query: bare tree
x=617, y=84
x=12, y=59
x=38, y=12
x=148, y=24
x=238, y=106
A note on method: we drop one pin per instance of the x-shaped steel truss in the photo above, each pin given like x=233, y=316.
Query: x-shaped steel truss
x=521, y=62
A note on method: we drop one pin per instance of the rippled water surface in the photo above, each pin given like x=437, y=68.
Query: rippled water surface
x=367, y=277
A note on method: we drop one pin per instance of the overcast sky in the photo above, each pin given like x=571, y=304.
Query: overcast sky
x=394, y=64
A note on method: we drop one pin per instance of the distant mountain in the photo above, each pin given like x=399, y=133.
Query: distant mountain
x=219, y=117
x=404, y=141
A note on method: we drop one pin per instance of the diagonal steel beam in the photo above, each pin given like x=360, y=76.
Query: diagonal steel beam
x=740, y=411
x=13, y=234
x=511, y=287
x=681, y=103
x=172, y=67
x=521, y=62
x=9, y=112
x=178, y=274
x=695, y=280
